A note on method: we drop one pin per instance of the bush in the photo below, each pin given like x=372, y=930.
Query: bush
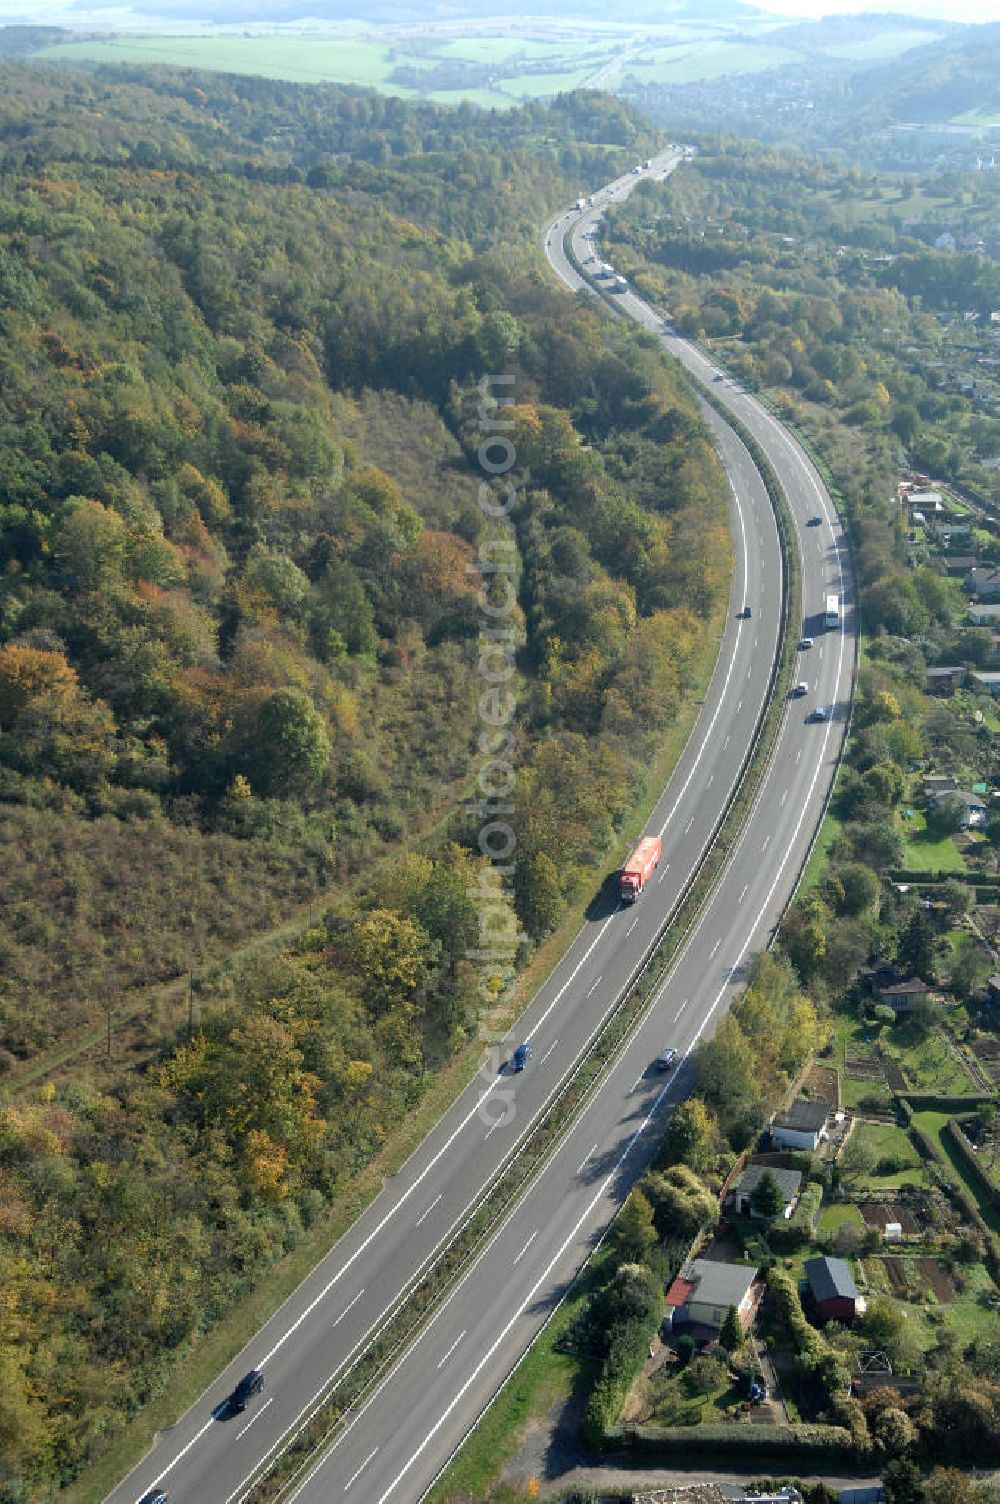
x=703, y=1374
x=804, y=1445
x=800, y=1227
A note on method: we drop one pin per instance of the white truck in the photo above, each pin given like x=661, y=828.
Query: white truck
x=832, y=614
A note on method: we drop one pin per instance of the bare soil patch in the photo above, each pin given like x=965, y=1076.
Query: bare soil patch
x=875, y=1214
x=936, y=1279
x=821, y=1084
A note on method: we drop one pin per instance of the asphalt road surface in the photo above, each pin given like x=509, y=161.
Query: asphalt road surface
x=396, y=1444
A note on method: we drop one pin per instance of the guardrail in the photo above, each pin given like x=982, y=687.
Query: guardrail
x=284, y=1471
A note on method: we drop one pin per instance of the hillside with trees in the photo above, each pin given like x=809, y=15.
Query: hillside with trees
x=240, y=365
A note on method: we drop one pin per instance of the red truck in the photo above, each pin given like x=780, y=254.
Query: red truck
x=640, y=867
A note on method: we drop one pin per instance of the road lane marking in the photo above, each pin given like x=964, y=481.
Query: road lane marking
x=356, y=1475
x=739, y=707
x=527, y=1245
x=256, y=1418
x=355, y=1300
x=639, y=1078
x=680, y=1010
x=798, y=755
x=766, y=843
x=715, y=948
x=595, y=986
x=163, y=1471
x=784, y=796
x=548, y=1052
x=590, y=1151
x=689, y=825
x=425, y=1214
x=500, y=1122
x=725, y=744
x=710, y=782
x=746, y=890
x=454, y=1345
x=632, y=926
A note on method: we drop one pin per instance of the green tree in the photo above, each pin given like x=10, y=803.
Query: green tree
x=766, y=1199
x=916, y=947
x=682, y=1204
x=394, y=956
x=286, y=745
x=691, y=1134
x=731, y=1333
x=634, y=1234
x=902, y=1482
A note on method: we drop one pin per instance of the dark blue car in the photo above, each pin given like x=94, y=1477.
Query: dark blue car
x=520, y=1057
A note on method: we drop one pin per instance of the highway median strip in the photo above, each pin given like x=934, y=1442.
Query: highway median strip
x=284, y=1469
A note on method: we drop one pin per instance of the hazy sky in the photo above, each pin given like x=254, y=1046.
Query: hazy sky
x=79, y=13
x=961, y=10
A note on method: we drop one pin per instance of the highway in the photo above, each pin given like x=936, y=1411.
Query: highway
x=395, y=1445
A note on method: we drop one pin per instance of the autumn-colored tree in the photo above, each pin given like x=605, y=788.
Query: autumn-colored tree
x=27, y=673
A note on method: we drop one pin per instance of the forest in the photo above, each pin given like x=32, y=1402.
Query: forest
x=242, y=331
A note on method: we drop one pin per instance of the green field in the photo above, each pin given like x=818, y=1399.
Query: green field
x=297, y=59
x=840, y=1214
x=882, y=44
x=936, y=854
x=663, y=54
x=886, y=1140
x=698, y=62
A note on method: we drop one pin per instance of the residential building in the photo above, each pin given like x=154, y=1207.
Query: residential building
x=986, y=680
x=948, y=533
x=936, y=784
x=832, y=1287
x=983, y=580
x=959, y=564
x=704, y=1290
x=984, y=615
x=903, y=997
x=800, y=1126
x=945, y=680
x=974, y=813
x=789, y=1184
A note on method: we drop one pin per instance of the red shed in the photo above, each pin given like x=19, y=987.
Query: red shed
x=833, y=1288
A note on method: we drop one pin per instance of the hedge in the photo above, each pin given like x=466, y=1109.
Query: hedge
x=787, y=1445
x=819, y=1357
x=953, y=1128
x=929, y=1101
x=628, y=1349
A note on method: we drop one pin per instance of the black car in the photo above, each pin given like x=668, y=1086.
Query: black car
x=250, y=1384
x=815, y=522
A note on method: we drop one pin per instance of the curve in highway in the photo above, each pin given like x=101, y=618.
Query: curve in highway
x=408, y=1428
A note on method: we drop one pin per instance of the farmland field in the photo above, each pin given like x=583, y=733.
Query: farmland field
x=297, y=59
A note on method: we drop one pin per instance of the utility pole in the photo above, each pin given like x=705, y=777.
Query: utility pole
x=190, y=1004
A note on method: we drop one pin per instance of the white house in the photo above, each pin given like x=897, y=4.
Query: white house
x=801, y=1126
x=704, y=1291
x=789, y=1183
